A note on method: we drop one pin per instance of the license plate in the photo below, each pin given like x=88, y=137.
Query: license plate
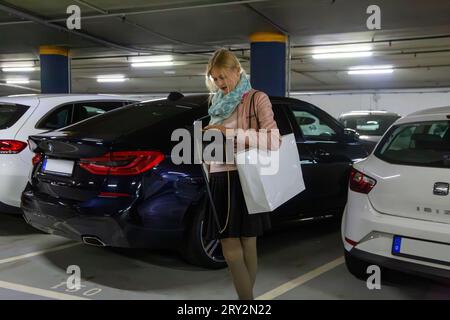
x=59, y=167
x=430, y=251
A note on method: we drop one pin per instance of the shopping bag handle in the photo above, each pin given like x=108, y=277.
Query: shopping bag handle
x=211, y=200
x=252, y=106
x=208, y=189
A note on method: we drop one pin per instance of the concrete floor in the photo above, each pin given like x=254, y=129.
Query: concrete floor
x=299, y=261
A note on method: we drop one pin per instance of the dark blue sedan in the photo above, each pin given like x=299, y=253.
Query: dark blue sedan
x=110, y=180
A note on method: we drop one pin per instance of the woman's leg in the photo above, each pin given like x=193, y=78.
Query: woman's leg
x=250, y=257
x=234, y=256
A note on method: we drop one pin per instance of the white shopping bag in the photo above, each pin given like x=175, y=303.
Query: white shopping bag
x=270, y=178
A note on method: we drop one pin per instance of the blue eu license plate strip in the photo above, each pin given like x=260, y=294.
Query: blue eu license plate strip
x=396, y=245
x=44, y=164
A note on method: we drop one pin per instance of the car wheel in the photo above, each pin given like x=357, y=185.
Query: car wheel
x=357, y=267
x=197, y=250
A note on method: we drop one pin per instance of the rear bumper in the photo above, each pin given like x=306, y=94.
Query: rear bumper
x=115, y=229
x=5, y=208
x=399, y=265
x=368, y=235
x=13, y=179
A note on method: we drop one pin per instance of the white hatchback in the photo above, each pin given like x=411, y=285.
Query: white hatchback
x=25, y=115
x=398, y=209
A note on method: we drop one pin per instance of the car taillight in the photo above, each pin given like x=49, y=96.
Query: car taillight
x=122, y=163
x=36, y=159
x=361, y=183
x=11, y=146
x=351, y=242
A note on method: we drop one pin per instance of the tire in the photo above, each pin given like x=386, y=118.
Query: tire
x=356, y=267
x=196, y=250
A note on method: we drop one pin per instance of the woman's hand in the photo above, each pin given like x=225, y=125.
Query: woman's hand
x=219, y=127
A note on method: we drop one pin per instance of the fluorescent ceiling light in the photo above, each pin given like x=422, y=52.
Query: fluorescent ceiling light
x=17, y=81
x=374, y=71
x=112, y=78
x=343, y=52
x=163, y=58
x=386, y=66
x=342, y=55
x=343, y=49
x=152, y=64
x=381, y=69
x=18, y=69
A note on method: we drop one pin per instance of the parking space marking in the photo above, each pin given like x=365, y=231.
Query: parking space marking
x=38, y=292
x=37, y=253
x=272, y=294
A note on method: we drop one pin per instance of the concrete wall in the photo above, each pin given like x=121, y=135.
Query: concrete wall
x=401, y=101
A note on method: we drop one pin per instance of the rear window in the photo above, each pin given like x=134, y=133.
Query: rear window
x=418, y=144
x=369, y=125
x=129, y=118
x=9, y=114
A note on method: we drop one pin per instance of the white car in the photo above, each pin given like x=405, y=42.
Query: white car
x=25, y=115
x=398, y=209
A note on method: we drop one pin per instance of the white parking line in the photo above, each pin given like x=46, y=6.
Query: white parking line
x=38, y=292
x=37, y=253
x=272, y=294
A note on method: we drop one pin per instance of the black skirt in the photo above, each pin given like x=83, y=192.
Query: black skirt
x=239, y=223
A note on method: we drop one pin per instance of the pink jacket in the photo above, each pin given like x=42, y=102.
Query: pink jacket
x=252, y=137
x=264, y=115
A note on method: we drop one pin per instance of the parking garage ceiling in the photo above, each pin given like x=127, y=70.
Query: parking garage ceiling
x=415, y=39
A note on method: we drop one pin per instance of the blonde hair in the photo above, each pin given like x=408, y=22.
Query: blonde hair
x=224, y=60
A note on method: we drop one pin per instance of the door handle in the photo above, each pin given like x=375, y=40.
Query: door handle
x=321, y=153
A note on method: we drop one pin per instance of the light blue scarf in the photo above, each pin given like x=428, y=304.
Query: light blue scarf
x=223, y=105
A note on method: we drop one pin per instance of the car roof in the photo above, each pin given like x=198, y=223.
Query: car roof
x=368, y=113
x=431, y=114
x=22, y=98
x=202, y=99
x=431, y=111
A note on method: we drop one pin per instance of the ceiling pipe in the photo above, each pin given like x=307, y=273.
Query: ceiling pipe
x=136, y=25
x=394, y=67
x=17, y=12
x=19, y=87
x=288, y=45
x=273, y=23
x=149, y=11
x=389, y=41
x=93, y=7
x=295, y=58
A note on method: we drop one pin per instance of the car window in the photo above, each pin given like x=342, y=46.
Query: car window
x=422, y=144
x=280, y=118
x=133, y=117
x=370, y=125
x=313, y=127
x=10, y=114
x=85, y=110
x=58, y=118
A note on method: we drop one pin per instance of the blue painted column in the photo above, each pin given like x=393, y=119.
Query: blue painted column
x=268, y=62
x=55, y=69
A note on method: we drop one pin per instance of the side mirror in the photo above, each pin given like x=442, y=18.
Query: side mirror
x=351, y=135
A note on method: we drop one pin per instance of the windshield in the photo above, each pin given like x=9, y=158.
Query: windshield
x=420, y=144
x=369, y=125
x=10, y=114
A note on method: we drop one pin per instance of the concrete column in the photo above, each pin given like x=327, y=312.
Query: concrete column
x=268, y=62
x=55, y=69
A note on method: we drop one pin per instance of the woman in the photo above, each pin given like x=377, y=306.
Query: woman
x=230, y=110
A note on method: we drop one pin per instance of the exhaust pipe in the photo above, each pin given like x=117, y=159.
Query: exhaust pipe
x=93, y=241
